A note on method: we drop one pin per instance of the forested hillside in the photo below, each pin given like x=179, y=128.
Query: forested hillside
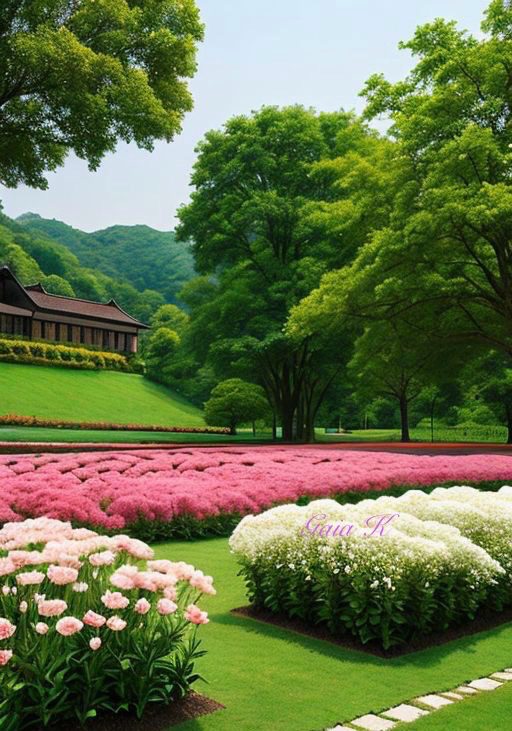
x=35, y=257
x=140, y=255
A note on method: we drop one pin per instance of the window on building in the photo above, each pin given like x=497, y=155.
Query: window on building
x=105, y=339
x=70, y=334
x=116, y=341
x=57, y=331
x=82, y=334
x=43, y=329
x=128, y=343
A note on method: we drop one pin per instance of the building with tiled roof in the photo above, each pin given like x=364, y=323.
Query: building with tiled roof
x=33, y=313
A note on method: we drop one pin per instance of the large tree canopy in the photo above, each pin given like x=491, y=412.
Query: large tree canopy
x=259, y=223
x=81, y=74
x=443, y=262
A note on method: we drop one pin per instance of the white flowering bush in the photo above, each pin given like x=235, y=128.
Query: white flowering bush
x=91, y=623
x=372, y=570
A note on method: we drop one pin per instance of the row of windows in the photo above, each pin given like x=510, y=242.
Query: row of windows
x=60, y=332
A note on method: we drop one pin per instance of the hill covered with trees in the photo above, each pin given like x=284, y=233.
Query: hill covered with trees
x=140, y=255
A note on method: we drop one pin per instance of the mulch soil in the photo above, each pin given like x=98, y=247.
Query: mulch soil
x=486, y=620
x=159, y=718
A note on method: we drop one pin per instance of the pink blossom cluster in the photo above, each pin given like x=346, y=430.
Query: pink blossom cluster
x=113, y=490
x=69, y=581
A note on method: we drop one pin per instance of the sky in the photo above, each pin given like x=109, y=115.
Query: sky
x=313, y=52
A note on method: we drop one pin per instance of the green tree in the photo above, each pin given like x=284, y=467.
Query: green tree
x=170, y=316
x=57, y=285
x=233, y=402
x=159, y=353
x=81, y=74
x=258, y=226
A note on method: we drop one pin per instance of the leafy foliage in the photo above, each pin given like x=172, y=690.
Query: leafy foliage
x=233, y=402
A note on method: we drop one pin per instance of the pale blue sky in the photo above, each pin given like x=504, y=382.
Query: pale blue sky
x=317, y=53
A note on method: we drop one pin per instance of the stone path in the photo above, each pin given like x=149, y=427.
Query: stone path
x=423, y=705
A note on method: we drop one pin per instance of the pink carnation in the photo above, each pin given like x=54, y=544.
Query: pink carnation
x=6, y=629
x=94, y=620
x=116, y=624
x=52, y=607
x=5, y=656
x=115, y=600
x=95, y=643
x=122, y=581
x=42, y=628
x=166, y=606
x=30, y=578
x=195, y=615
x=106, y=558
x=62, y=575
x=68, y=626
x=142, y=606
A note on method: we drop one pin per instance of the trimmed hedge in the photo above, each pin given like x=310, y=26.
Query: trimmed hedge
x=44, y=353
x=17, y=420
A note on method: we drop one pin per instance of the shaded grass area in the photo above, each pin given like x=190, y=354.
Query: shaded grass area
x=269, y=678
x=475, y=434
x=57, y=393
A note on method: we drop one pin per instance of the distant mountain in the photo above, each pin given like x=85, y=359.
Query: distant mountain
x=140, y=255
x=34, y=256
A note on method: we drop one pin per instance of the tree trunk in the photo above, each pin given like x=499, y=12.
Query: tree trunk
x=232, y=428
x=274, y=426
x=254, y=429
x=404, y=419
x=508, y=409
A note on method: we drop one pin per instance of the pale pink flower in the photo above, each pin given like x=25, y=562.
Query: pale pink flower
x=195, y=615
x=166, y=606
x=62, y=575
x=5, y=656
x=170, y=593
x=52, y=607
x=106, y=558
x=6, y=629
x=80, y=587
x=42, y=628
x=23, y=607
x=95, y=643
x=30, y=577
x=6, y=566
x=121, y=581
x=116, y=624
x=68, y=626
x=204, y=583
x=142, y=606
x=115, y=600
x=94, y=620
x=6, y=590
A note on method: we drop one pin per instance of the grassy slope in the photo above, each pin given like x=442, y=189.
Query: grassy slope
x=270, y=679
x=58, y=393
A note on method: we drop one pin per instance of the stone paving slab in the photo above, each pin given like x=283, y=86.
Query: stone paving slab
x=484, y=684
x=433, y=700
x=452, y=695
x=466, y=689
x=505, y=675
x=371, y=722
x=405, y=712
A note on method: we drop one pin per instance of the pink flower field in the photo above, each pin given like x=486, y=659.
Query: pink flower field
x=114, y=490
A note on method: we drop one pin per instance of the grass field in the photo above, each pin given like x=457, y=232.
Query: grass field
x=41, y=434
x=58, y=393
x=271, y=679
x=494, y=434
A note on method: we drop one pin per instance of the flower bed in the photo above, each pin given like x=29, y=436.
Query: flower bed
x=91, y=623
x=193, y=491
x=380, y=579
x=46, y=353
x=17, y=420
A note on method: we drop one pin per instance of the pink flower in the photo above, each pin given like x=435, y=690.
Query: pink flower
x=6, y=566
x=68, y=626
x=170, y=593
x=30, y=578
x=116, y=624
x=52, y=607
x=142, y=606
x=5, y=656
x=95, y=643
x=204, y=583
x=195, y=615
x=94, y=620
x=62, y=575
x=80, y=587
x=23, y=607
x=115, y=600
x=106, y=558
x=42, y=628
x=121, y=581
x=166, y=606
x=6, y=629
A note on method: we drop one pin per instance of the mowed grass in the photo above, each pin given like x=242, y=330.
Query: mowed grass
x=59, y=393
x=271, y=679
x=478, y=434
x=68, y=436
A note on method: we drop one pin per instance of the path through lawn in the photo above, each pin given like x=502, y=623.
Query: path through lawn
x=271, y=679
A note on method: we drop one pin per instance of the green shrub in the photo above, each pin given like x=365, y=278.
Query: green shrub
x=45, y=353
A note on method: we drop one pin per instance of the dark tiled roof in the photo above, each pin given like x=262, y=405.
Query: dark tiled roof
x=57, y=303
x=12, y=310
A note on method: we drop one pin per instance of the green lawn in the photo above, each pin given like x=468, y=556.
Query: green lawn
x=494, y=434
x=271, y=679
x=41, y=434
x=58, y=393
